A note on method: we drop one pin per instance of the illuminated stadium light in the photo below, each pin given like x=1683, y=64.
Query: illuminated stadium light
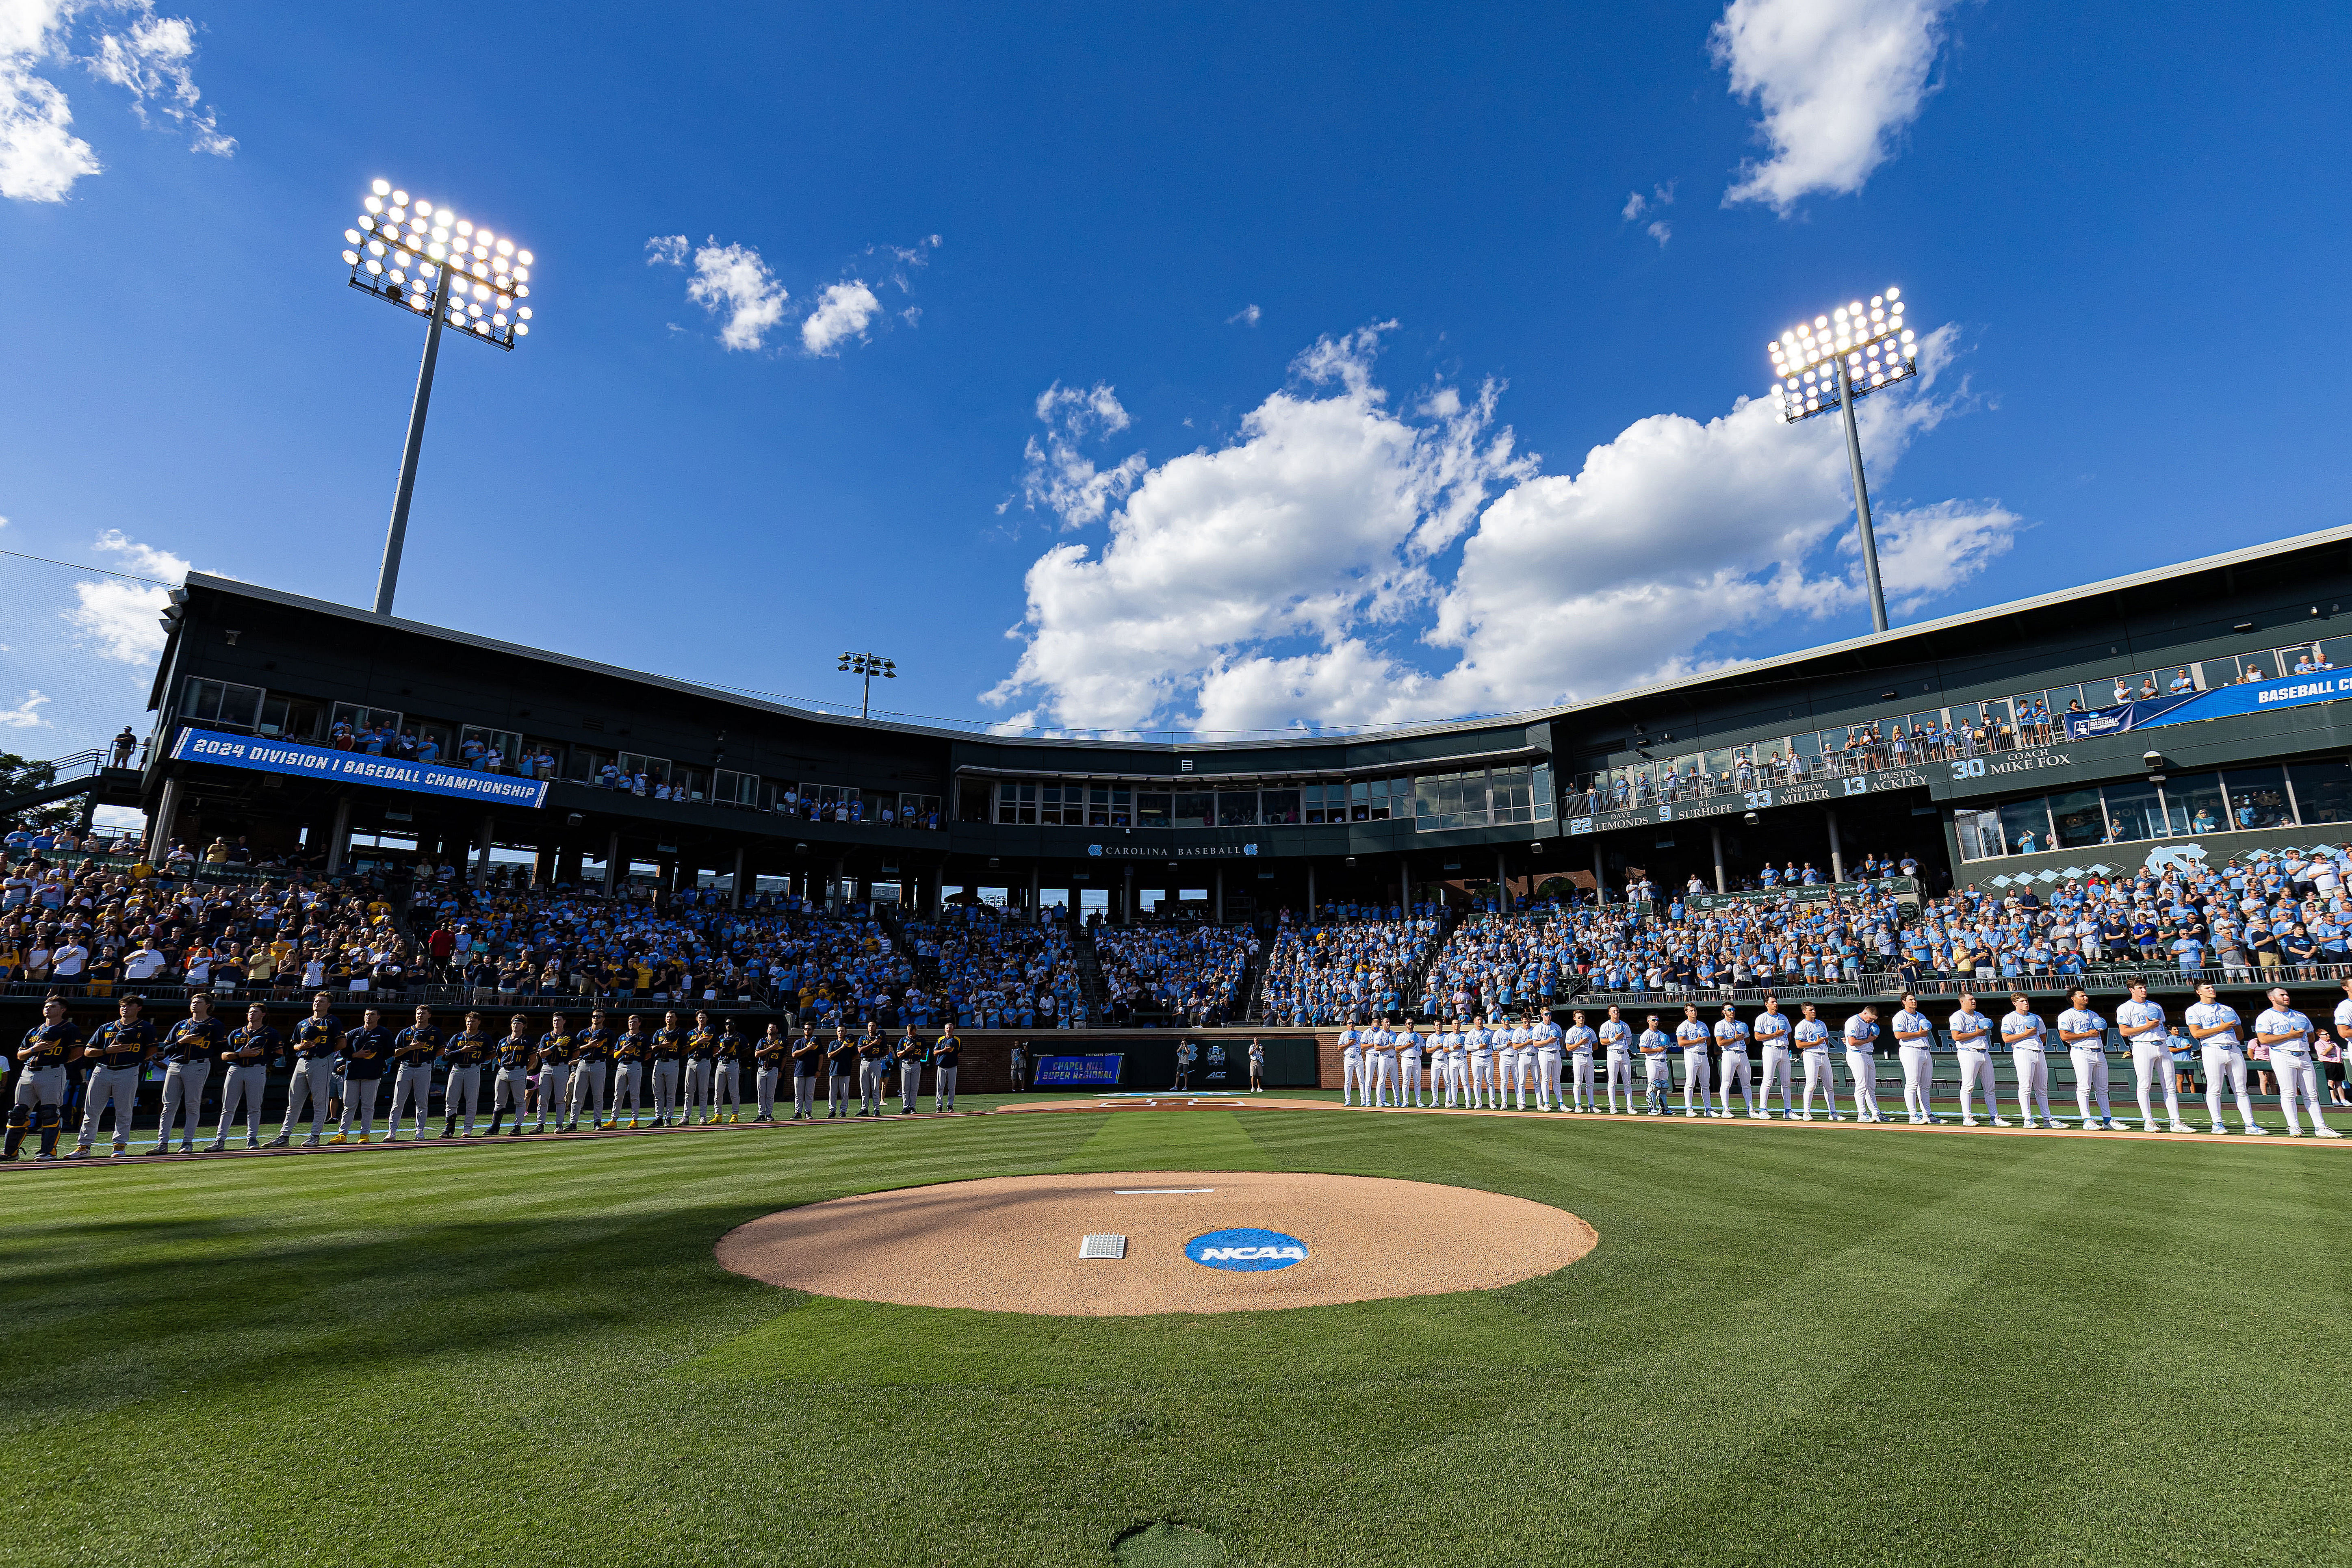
x=1828, y=364
x=424, y=259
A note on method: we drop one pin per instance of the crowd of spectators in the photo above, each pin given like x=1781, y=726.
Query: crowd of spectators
x=999, y=970
x=1195, y=972
x=1346, y=968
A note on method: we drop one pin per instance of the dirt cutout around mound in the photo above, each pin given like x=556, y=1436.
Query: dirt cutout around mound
x=1009, y=1244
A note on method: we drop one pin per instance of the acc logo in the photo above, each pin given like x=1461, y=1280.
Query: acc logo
x=1247, y=1250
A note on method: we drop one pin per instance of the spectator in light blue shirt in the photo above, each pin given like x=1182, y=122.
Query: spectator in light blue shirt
x=2191, y=952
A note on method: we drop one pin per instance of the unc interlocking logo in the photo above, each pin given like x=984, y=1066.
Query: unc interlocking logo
x=2176, y=857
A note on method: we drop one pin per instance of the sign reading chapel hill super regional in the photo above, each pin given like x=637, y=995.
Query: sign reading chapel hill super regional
x=355, y=767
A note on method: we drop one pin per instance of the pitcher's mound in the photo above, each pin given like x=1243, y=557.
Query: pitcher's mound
x=1227, y=1241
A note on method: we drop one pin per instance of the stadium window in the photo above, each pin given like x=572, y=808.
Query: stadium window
x=1279, y=807
x=2303, y=658
x=1195, y=809
x=220, y=705
x=729, y=788
x=360, y=719
x=1718, y=763
x=2194, y=805
x=1153, y=808
x=1237, y=808
x=290, y=719
x=2257, y=798
x=1316, y=804
x=1514, y=794
x=2025, y=825
x=916, y=810
x=2135, y=812
x=1540, y=788
x=583, y=763
x=1016, y=801
x=1109, y=805
x=1148, y=899
x=971, y=800
x=1049, y=803
x=442, y=737
x=2077, y=818
x=499, y=748
x=1979, y=834
x=655, y=768
x=2323, y=790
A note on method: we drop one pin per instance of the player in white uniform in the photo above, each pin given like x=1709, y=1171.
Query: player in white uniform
x=1731, y=1037
x=1617, y=1042
x=1914, y=1043
x=1351, y=1067
x=2215, y=1026
x=1458, y=1065
x=1812, y=1037
x=1695, y=1037
x=1973, y=1038
x=2142, y=1023
x=2086, y=1034
x=1523, y=1049
x=1482, y=1066
x=1862, y=1062
x=1772, y=1034
x=1658, y=1064
x=1577, y=1046
x=1544, y=1040
x=1408, y=1049
x=1441, y=1062
x=2022, y=1032
x=2288, y=1035
x=1509, y=1037
x=1383, y=1046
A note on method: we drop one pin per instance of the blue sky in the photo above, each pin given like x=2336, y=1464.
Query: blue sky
x=1343, y=365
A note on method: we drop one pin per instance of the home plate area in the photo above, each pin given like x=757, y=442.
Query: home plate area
x=1136, y=1242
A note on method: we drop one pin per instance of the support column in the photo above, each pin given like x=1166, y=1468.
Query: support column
x=1714, y=830
x=1837, y=853
x=1599, y=873
x=1310, y=894
x=482, y=851
x=1219, y=909
x=1036, y=915
x=840, y=875
x=159, y=826
x=613, y=863
x=1127, y=898
x=1501, y=883
x=1404, y=887
x=339, y=837
x=735, y=897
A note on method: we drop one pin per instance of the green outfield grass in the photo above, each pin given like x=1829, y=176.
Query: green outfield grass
x=1792, y=1346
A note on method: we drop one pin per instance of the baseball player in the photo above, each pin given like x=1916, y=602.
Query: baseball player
x=910, y=1057
x=1972, y=1040
x=1812, y=1037
x=1408, y=1049
x=366, y=1050
x=2215, y=1026
x=1578, y=1042
x=727, y=1072
x=807, y=1055
x=592, y=1055
x=841, y=1073
x=412, y=1050
x=2142, y=1023
x=119, y=1048
x=630, y=1053
x=1731, y=1037
x=318, y=1041
x=947, y=1057
x=1441, y=1039
x=555, y=1050
x=2288, y=1033
x=1482, y=1064
x=873, y=1065
x=1914, y=1044
x=1256, y=1065
x=1617, y=1043
x=1523, y=1070
x=245, y=1073
x=1695, y=1037
x=1353, y=1088
x=701, y=1067
x=40, y=1097
x=466, y=1051
x=1382, y=1047
x=1654, y=1045
x=769, y=1057
x=193, y=1043
x=1862, y=1062
x=667, y=1051
x=1771, y=1033
x=511, y=1090
x=2086, y=1034
x=2022, y=1032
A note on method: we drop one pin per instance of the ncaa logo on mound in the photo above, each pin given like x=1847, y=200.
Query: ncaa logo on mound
x=1246, y=1250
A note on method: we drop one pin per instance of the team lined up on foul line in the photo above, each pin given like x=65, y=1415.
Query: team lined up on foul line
x=1488, y=1065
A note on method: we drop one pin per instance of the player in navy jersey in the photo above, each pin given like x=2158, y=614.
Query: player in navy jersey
x=245, y=1073
x=412, y=1050
x=39, y=1101
x=116, y=1051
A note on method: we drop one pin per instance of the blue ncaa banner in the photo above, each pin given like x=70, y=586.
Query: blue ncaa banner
x=356, y=767
x=1076, y=1072
x=2220, y=702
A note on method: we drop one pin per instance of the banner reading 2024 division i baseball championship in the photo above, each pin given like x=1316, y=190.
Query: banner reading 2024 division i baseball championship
x=355, y=767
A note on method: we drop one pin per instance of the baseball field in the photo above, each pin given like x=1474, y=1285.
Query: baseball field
x=1789, y=1345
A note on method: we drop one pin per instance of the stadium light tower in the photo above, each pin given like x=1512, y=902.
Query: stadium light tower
x=869, y=665
x=1831, y=362
x=426, y=259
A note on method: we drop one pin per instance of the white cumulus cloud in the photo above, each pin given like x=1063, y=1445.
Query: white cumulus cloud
x=118, y=619
x=1247, y=316
x=1060, y=477
x=153, y=58
x=26, y=715
x=731, y=282
x=843, y=312
x=666, y=250
x=1837, y=81
x=1303, y=574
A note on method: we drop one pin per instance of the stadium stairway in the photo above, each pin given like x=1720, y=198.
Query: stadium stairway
x=1090, y=974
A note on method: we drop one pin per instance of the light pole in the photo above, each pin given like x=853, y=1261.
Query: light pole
x=869, y=665
x=1831, y=362
x=429, y=261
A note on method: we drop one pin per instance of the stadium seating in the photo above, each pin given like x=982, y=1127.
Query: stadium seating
x=1195, y=973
